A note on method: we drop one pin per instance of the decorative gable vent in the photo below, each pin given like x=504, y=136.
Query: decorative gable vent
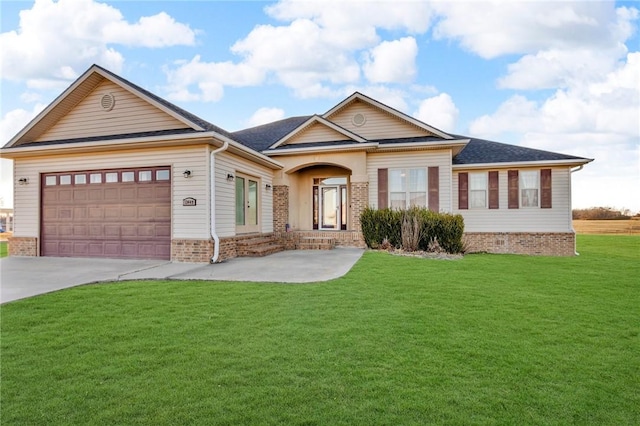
x=107, y=102
x=359, y=119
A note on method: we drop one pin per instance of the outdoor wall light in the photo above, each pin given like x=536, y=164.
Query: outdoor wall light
x=267, y=187
x=230, y=177
x=23, y=181
x=186, y=173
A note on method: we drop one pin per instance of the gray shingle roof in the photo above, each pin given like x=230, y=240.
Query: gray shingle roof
x=260, y=138
x=111, y=137
x=480, y=151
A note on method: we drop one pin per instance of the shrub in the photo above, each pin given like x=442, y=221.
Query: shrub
x=402, y=228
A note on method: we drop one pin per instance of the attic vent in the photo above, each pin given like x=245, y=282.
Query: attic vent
x=107, y=102
x=359, y=119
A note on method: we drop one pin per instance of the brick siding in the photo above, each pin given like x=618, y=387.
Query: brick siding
x=23, y=246
x=359, y=201
x=280, y=208
x=537, y=244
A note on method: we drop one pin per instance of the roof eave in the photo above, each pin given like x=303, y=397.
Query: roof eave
x=565, y=162
x=361, y=146
x=107, y=145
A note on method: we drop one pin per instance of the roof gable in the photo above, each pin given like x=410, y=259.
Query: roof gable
x=317, y=129
x=100, y=103
x=375, y=120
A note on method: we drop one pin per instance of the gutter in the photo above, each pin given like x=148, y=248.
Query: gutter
x=212, y=202
x=575, y=246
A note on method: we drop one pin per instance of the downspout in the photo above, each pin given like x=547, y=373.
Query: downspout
x=212, y=202
x=575, y=248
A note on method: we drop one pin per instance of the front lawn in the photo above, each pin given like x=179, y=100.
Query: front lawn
x=4, y=250
x=488, y=339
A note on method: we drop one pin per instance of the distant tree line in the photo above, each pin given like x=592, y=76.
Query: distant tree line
x=602, y=213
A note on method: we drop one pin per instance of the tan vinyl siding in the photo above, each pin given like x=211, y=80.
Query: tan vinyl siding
x=535, y=219
x=225, y=193
x=187, y=222
x=412, y=160
x=379, y=124
x=316, y=133
x=130, y=114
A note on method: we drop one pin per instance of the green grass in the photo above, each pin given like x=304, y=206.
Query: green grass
x=490, y=339
x=4, y=250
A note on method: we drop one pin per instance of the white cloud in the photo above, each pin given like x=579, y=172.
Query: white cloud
x=320, y=46
x=209, y=78
x=594, y=119
x=58, y=40
x=265, y=115
x=438, y=111
x=392, y=61
x=492, y=29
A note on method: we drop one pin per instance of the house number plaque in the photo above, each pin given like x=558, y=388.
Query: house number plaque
x=189, y=202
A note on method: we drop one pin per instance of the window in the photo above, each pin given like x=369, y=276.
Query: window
x=478, y=190
x=95, y=178
x=144, y=176
x=162, y=174
x=128, y=176
x=65, y=180
x=529, y=188
x=407, y=188
x=111, y=177
x=50, y=181
x=80, y=179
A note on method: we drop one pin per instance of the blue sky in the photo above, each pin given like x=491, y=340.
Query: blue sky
x=560, y=76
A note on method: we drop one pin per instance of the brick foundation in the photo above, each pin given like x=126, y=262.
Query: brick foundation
x=341, y=238
x=194, y=251
x=537, y=244
x=23, y=246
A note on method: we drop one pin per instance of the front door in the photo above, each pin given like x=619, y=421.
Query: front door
x=247, y=204
x=330, y=204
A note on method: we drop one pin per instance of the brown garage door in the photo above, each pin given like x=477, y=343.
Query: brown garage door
x=107, y=213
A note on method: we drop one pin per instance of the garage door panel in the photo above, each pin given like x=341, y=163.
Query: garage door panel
x=96, y=212
x=65, y=213
x=80, y=195
x=65, y=195
x=111, y=194
x=96, y=249
x=163, y=231
x=111, y=212
x=96, y=194
x=112, y=248
x=128, y=193
x=112, y=231
x=87, y=217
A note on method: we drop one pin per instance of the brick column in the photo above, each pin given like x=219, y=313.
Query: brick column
x=280, y=209
x=359, y=200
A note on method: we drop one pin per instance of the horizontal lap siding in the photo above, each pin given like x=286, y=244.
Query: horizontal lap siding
x=317, y=133
x=379, y=124
x=555, y=219
x=130, y=115
x=187, y=222
x=415, y=159
x=225, y=193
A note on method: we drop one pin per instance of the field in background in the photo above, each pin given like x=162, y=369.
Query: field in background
x=607, y=227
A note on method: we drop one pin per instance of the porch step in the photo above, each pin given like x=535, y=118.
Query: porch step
x=316, y=243
x=258, y=247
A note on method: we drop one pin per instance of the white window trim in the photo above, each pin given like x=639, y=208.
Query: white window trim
x=485, y=190
x=405, y=173
x=521, y=187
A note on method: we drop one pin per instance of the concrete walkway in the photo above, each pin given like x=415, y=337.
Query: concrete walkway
x=22, y=277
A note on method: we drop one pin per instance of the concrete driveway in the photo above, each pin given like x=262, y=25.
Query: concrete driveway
x=22, y=277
